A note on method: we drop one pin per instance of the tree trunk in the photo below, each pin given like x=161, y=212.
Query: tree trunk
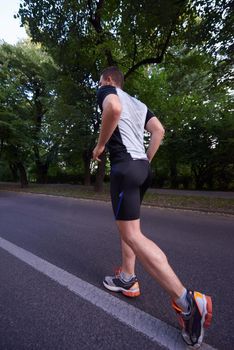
x=86, y=159
x=199, y=182
x=42, y=172
x=173, y=173
x=100, y=173
x=41, y=167
x=13, y=168
x=22, y=174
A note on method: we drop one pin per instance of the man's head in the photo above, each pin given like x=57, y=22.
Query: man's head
x=112, y=76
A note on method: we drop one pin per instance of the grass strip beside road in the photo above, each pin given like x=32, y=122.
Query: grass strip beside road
x=200, y=203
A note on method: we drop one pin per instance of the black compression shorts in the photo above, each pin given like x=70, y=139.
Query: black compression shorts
x=129, y=182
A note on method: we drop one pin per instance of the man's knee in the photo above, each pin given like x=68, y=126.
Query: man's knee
x=129, y=238
x=129, y=231
x=135, y=238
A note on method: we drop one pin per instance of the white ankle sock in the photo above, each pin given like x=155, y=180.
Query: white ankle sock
x=183, y=303
x=125, y=276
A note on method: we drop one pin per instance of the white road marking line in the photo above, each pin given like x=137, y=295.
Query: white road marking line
x=150, y=326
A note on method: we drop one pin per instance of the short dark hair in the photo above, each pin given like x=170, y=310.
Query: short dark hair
x=115, y=73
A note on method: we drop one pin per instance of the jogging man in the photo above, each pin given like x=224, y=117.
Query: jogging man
x=124, y=120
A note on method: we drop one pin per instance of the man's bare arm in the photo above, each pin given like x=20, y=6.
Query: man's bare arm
x=155, y=128
x=110, y=118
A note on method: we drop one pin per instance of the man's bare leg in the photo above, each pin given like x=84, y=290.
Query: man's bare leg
x=128, y=258
x=151, y=256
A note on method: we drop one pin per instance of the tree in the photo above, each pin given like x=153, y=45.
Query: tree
x=27, y=91
x=84, y=36
x=14, y=129
x=196, y=115
x=127, y=33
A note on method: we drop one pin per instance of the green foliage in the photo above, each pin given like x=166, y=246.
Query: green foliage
x=176, y=56
x=197, y=149
x=27, y=83
x=88, y=35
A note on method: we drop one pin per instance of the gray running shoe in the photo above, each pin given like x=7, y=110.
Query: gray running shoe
x=117, y=284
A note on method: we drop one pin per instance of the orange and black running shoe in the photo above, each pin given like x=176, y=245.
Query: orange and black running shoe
x=117, y=284
x=198, y=318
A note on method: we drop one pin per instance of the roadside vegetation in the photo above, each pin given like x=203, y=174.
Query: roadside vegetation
x=152, y=198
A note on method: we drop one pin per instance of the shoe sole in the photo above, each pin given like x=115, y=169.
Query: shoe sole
x=205, y=321
x=208, y=317
x=207, y=313
x=135, y=292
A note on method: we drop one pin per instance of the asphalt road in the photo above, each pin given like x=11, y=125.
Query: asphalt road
x=80, y=237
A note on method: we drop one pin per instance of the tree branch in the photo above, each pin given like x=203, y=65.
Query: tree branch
x=159, y=57
x=143, y=62
x=95, y=20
